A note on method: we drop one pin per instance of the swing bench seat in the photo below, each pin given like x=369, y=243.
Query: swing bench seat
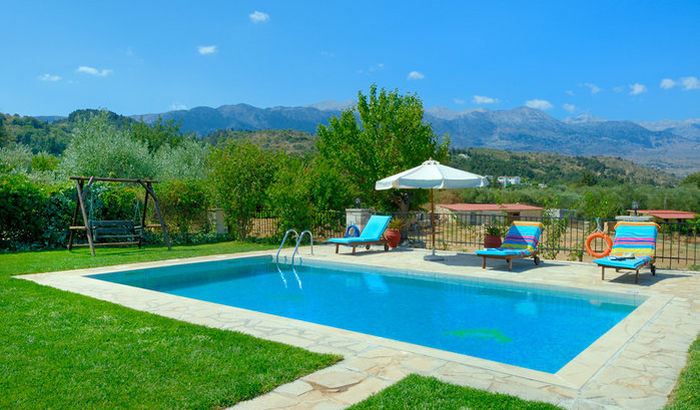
x=124, y=232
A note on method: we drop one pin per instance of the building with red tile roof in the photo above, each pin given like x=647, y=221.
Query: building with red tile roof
x=665, y=214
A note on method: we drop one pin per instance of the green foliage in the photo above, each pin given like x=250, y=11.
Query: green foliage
x=160, y=133
x=240, y=175
x=391, y=137
x=183, y=205
x=290, y=196
x=44, y=161
x=692, y=180
x=21, y=202
x=290, y=141
x=33, y=133
x=185, y=161
x=599, y=204
x=554, y=229
x=552, y=169
x=16, y=159
x=99, y=148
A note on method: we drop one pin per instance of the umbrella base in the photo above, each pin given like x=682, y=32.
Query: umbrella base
x=433, y=257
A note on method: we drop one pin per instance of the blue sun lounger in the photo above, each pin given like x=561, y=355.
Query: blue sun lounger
x=371, y=235
x=634, y=247
x=520, y=242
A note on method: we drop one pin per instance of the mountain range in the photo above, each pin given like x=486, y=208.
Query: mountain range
x=670, y=145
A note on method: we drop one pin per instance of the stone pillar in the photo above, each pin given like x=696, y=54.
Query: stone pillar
x=216, y=218
x=357, y=217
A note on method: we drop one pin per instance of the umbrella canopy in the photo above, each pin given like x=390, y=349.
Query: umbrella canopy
x=432, y=175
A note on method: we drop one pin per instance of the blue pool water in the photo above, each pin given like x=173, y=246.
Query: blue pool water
x=537, y=328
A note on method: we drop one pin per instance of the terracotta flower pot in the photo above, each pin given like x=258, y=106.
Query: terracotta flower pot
x=393, y=237
x=492, y=241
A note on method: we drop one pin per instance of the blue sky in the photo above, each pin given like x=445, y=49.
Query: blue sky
x=618, y=60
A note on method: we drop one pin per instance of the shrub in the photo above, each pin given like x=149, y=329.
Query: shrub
x=21, y=202
x=17, y=159
x=290, y=196
x=183, y=204
x=240, y=175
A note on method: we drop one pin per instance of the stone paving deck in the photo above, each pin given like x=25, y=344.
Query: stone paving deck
x=634, y=365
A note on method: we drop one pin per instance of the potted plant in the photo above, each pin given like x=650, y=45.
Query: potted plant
x=393, y=232
x=492, y=237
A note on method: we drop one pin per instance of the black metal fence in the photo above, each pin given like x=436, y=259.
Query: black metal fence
x=563, y=237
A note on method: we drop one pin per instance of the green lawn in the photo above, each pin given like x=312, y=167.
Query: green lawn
x=418, y=392
x=59, y=349
x=686, y=395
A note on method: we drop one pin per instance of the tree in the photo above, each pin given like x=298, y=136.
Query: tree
x=160, y=133
x=240, y=175
x=390, y=137
x=692, y=179
x=99, y=148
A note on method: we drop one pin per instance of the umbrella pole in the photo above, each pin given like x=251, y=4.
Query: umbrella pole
x=432, y=257
x=432, y=218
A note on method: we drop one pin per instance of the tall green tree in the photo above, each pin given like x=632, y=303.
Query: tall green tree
x=240, y=175
x=384, y=135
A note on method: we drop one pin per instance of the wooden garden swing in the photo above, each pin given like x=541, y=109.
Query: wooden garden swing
x=124, y=232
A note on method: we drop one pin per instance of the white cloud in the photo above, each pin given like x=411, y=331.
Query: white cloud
x=177, y=106
x=94, y=71
x=481, y=99
x=619, y=89
x=569, y=107
x=259, y=17
x=569, y=92
x=690, y=83
x=458, y=101
x=415, y=75
x=594, y=88
x=48, y=77
x=204, y=50
x=667, y=84
x=539, y=104
x=636, y=89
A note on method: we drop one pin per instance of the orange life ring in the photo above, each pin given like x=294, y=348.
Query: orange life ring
x=607, y=249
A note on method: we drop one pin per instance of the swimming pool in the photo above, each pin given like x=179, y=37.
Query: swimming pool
x=540, y=328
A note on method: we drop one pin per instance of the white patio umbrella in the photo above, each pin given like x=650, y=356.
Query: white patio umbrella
x=432, y=175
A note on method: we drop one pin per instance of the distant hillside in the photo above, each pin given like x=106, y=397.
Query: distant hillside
x=34, y=133
x=204, y=120
x=293, y=142
x=519, y=129
x=52, y=137
x=547, y=168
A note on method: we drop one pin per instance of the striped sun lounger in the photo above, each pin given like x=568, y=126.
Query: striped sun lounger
x=520, y=242
x=633, y=248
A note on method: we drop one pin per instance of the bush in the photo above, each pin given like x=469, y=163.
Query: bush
x=183, y=204
x=240, y=175
x=21, y=203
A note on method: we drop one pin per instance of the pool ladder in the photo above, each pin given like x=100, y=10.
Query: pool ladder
x=296, y=249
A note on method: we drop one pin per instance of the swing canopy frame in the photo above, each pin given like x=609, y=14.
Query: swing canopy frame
x=95, y=230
